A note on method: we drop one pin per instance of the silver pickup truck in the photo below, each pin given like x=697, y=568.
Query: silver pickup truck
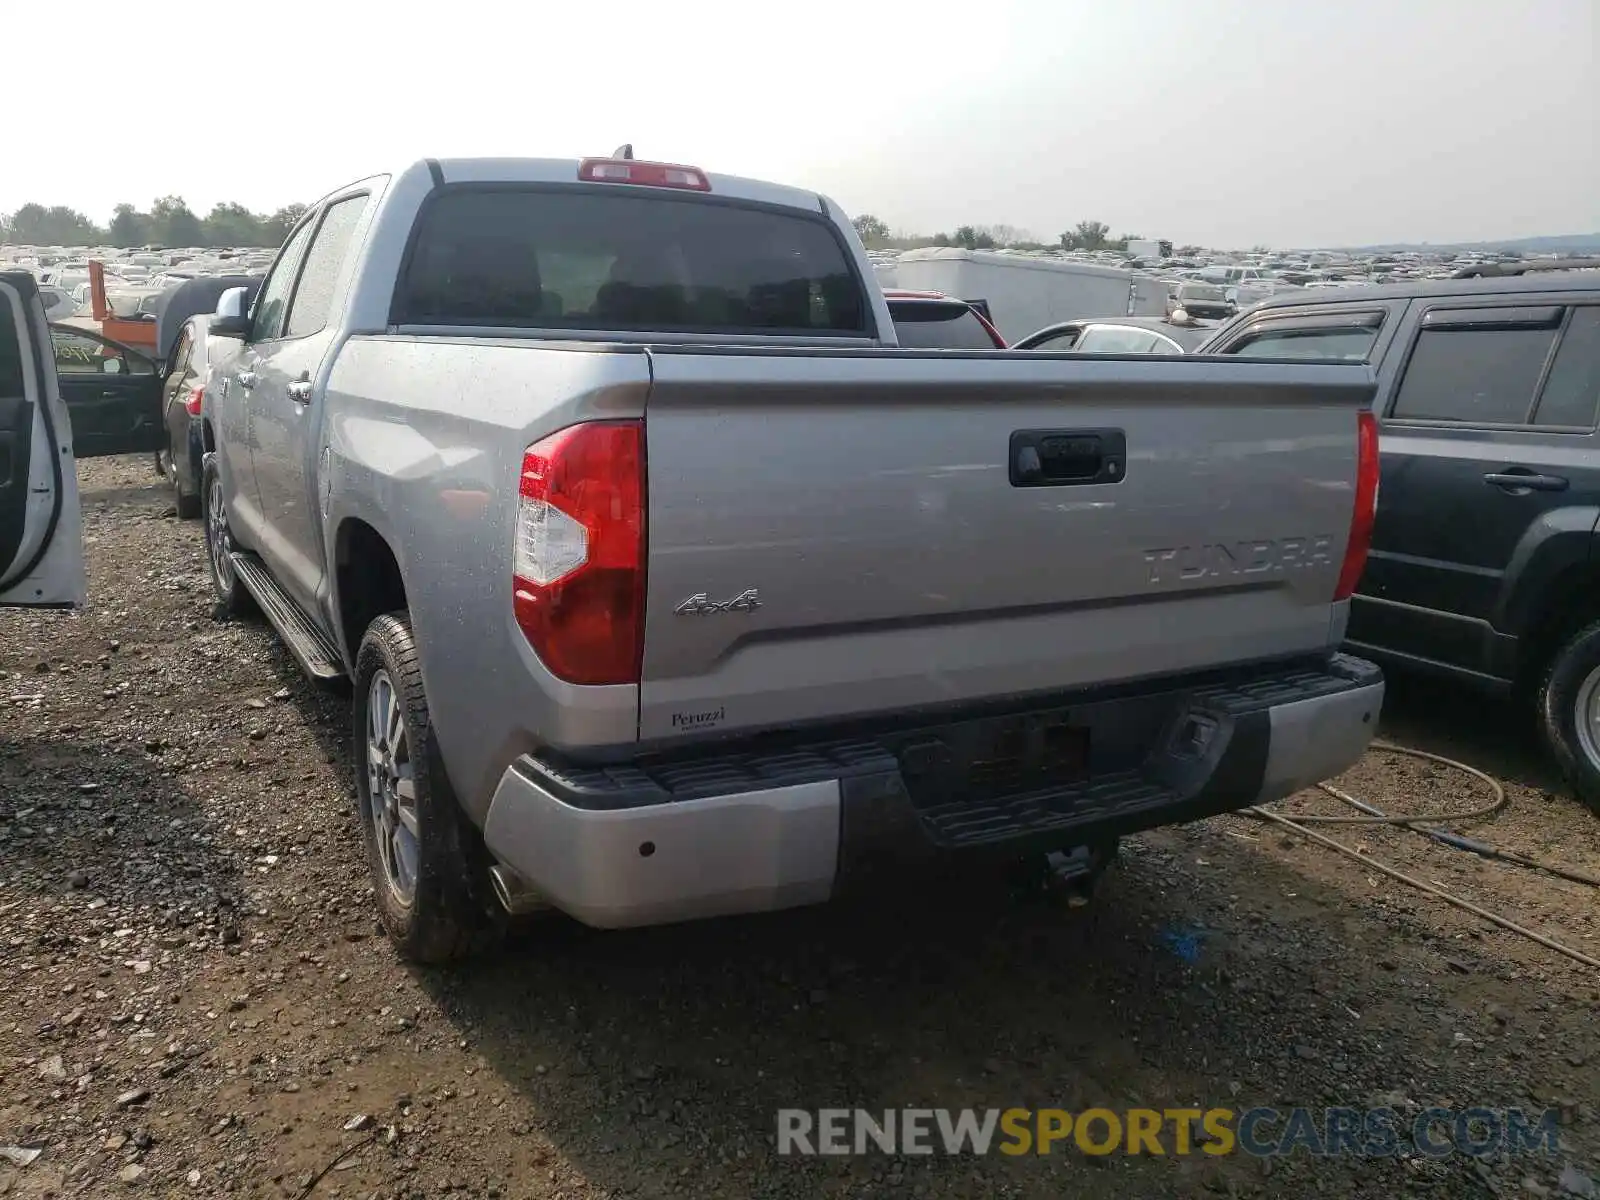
x=669, y=586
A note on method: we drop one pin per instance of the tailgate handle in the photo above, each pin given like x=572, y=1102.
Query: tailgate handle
x=1066, y=457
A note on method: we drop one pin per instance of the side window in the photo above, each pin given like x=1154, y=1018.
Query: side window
x=1478, y=367
x=313, y=298
x=11, y=352
x=82, y=354
x=1572, y=390
x=1115, y=339
x=1353, y=344
x=181, y=351
x=273, y=301
x=1060, y=342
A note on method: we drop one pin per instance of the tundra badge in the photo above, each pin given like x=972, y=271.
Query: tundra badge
x=699, y=603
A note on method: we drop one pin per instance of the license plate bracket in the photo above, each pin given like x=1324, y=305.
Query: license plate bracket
x=993, y=757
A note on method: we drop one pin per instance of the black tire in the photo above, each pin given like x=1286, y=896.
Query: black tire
x=161, y=467
x=188, y=503
x=233, y=600
x=1569, y=698
x=448, y=911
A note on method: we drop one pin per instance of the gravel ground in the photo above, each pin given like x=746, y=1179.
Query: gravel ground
x=196, y=1000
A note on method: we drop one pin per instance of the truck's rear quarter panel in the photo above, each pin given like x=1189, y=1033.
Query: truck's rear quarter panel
x=425, y=444
x=866, y=498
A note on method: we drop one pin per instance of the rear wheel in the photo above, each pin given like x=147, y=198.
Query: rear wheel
x=188, y=503
x=232, y=597
x=430, y=870
x=1569, y=712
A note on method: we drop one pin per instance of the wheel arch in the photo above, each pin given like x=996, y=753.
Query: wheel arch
x=367, y=581
x=1552, y=588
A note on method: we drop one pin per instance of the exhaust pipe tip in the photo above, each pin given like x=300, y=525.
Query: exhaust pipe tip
x=515, y=894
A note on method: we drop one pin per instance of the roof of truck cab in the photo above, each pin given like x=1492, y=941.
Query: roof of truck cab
x=565, y=170
x=1517, y=285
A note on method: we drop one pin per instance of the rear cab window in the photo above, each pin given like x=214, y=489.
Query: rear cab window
x=633, y=259
x=939, y=325
x=1518, y=366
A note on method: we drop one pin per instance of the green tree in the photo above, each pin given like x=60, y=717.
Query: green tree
x=173, y=223
x=232, y=225
x=1093, y=235
x=276, y=227
x=58, y=225
x=129, y=227
x=1006, y=235
x=873, y=232
x=973, y=238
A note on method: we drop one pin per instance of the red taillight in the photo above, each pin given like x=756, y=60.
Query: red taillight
x=649, y=174
x=578, y=566
x=197, y=397
x=1366, y=506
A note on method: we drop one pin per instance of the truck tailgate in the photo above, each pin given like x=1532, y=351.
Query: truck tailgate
x=839, y=533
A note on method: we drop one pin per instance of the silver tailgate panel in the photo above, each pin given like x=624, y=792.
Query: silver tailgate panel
x=865, y=497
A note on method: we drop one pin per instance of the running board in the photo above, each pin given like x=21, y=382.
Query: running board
x=317, y=656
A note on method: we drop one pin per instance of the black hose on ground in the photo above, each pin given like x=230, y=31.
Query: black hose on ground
x=1419, y=823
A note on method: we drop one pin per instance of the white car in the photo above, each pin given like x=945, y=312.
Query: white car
x=58, y=303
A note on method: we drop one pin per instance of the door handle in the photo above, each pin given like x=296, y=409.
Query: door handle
x=248, y=379
x=300, y=391
x=1519, y=479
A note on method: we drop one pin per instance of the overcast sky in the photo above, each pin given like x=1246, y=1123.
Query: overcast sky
x=1223, y=122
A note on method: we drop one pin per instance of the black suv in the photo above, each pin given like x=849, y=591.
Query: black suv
x=1485, y=560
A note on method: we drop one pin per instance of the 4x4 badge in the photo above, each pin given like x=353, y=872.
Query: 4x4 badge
x=699, y=603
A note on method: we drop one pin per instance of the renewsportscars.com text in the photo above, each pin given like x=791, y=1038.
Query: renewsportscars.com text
x=1259, y=1132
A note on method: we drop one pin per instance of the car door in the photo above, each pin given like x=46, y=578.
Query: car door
x=112, y=392
x=41, y=535
x=237, y=406
x=285, y=402
x=174, y=391
x=1488, y=435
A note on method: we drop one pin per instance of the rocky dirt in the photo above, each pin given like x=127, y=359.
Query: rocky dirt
x=194, y=999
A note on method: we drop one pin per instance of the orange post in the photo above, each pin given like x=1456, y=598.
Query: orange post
x=97, y=290
x=141, y=335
